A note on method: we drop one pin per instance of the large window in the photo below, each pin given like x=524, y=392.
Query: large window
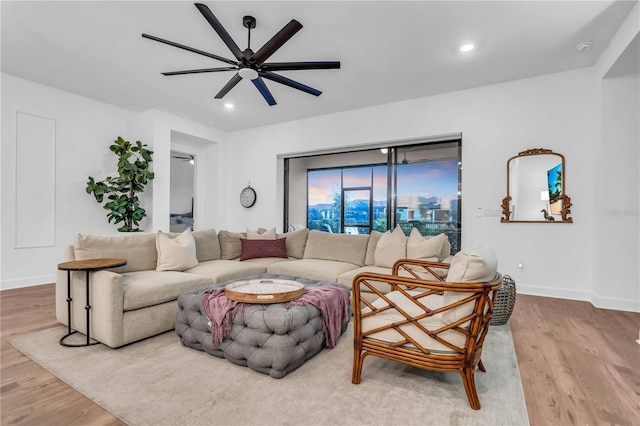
x=350, y=200
x=357, y=192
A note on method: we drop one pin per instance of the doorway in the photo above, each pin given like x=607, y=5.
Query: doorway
x=183, y=182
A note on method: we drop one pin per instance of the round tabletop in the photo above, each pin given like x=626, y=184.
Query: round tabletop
x=264, y=291
x=91, y=264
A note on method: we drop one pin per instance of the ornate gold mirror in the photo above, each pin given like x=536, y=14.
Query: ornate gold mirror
x=535, y=188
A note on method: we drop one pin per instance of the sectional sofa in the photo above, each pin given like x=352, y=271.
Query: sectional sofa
x=138, y=300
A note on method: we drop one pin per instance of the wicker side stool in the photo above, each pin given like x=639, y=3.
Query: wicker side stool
x=505, y=301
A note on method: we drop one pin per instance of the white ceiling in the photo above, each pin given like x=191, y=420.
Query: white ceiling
x=389, y=50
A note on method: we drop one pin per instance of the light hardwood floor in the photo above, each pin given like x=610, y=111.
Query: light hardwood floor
x=579, y=365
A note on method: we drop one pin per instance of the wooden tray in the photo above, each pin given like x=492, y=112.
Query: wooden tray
x=264, y=291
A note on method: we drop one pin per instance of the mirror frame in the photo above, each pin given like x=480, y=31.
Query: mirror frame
x=566, y=201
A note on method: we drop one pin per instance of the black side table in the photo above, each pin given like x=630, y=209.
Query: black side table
x=88, y=265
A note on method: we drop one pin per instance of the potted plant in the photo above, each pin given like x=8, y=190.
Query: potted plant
x=133, y=175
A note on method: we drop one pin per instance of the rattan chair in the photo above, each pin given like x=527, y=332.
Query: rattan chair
x=430, y=324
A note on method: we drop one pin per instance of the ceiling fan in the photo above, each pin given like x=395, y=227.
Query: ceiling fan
x=249, y=64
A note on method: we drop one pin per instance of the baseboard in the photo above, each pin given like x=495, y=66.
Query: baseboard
x=27, y=282
x=595, y=300
x=615, y=304
x=558, y=293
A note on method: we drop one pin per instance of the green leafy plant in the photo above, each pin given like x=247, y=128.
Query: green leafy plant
x=133, y=175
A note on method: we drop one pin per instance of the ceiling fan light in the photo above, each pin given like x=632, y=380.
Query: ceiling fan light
x=248, y=73
x=467, y=47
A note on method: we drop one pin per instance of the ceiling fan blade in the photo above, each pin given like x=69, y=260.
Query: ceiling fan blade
x=230, y=85
x=202, y=70
x=190, y=49
x=217, y=26
x=262, y=88
x=288, y=82
x=276, y=41
x=289, y=66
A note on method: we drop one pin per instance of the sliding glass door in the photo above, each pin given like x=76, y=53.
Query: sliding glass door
x=413, y=186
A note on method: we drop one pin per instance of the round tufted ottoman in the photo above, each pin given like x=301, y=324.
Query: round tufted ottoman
x=270, y=339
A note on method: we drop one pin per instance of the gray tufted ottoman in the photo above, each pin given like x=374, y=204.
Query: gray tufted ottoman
x=269, y=338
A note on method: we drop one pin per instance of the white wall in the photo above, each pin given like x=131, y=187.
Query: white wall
x=616, y=202
x=84, y=130
x=556, y=111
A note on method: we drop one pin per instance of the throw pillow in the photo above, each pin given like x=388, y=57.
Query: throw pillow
x=392, y=246
x=254, y=249
x=266, y=234
x=230, y=247
x=478, y=264
x=207, y=245
x=296, y=242
x=176, y=254
x=371, y=248
x=419, y=247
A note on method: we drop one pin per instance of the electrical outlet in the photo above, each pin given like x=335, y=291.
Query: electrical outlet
x=491, y=212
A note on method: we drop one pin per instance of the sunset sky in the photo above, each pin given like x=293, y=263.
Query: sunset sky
x=432, y=179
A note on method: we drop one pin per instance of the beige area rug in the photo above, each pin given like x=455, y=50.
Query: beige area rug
x=159, y=382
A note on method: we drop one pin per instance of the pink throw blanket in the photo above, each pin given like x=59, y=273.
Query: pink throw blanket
x=220, y=312
x=332, y=303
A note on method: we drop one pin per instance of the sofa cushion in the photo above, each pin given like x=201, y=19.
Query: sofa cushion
x=225, y=270
x=371, y=247
x=315, y=269
x=340, y=247
x=230, y=246
x=253, y=249
x=477, y=264
x=207, y=245
x=139, y=248
x=176, y=254
x=392, y=246
x=148, y=288
x=419, y=247
x=296, y=242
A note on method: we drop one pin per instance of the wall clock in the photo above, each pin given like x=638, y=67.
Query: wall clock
x=248, y=196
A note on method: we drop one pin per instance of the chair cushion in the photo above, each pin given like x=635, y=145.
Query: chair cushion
x=477, y=264
x=391, y=316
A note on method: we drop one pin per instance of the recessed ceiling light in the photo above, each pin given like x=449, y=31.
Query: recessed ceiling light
x=584, y=46
x=228, y=106
x=467, y=47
